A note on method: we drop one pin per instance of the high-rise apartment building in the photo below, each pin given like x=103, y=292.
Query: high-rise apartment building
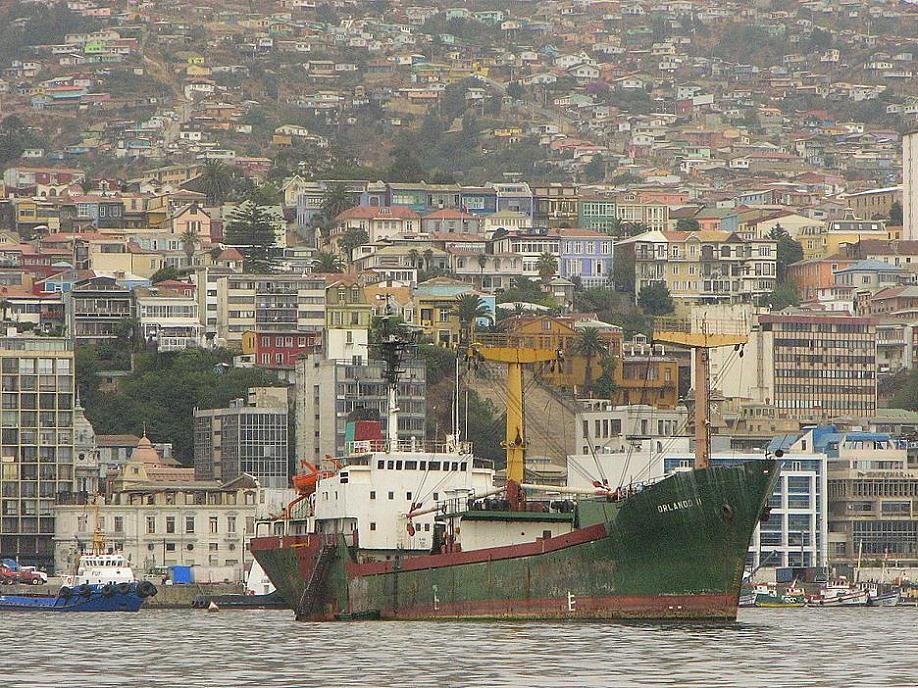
x=243, y=438
x=36, y=443
x=824, y=364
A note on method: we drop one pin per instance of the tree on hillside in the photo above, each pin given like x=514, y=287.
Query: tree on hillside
x=264, y=194
x=162, y=391
x=337, y=200
x=215, y=181
x=595, y=170
x=547, y=266
x=655, y=299
x=351, y=239
x=189, y=241
x=589, y=344
x=784, y=295
x=469, y=309
x=687, y=224
x=166, y=272
x=789, y=251
x=895, y=214
x=250, y=229
x=623, y=270
x=405, y=166
x=326, y=262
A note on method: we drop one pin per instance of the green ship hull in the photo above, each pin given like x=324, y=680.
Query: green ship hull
x=675, y=550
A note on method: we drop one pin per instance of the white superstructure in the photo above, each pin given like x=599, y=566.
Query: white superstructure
x=99, y=569
x=373, y=491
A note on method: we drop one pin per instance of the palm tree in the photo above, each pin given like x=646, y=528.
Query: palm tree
x=324, y=261
x=482, y=261
x=469, y=308
x=414, y=256
x=215, y=181
x=547, y=265
x=589, y=344
x=428, y=258
x=337, y=200
x=189, y=243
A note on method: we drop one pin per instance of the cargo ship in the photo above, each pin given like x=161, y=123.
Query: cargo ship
x=400, y=529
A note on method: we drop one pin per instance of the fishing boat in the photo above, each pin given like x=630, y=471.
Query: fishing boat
x=767, y=596
x=839, y=594
x=408, y=529
x=890, y=598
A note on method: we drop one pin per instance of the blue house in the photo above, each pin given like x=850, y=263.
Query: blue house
x=478, y=200
x=585, y=255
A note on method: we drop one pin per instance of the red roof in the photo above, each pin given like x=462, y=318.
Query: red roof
x=229, y=254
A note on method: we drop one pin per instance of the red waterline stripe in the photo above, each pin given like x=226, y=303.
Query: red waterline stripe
x=528, y=549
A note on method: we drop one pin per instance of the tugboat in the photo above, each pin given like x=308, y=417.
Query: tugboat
x=408, y=529
x=103, y=583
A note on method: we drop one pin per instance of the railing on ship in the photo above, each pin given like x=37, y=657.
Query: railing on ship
x=412, y=445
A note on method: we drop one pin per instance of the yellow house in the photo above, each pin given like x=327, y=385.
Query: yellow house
x=435, y=308
x=118, y=255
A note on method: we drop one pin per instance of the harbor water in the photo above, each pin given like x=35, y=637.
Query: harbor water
x=195, y=649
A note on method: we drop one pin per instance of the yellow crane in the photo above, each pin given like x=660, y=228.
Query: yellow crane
x=513, y=352
x=701, y=336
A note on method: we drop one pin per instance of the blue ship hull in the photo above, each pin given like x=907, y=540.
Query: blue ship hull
x=126, y=597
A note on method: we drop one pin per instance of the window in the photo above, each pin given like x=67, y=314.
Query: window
x=170, y=524
x=372, y=494
x=213, y=524
x=170, y=546
x=391, y=495
x=230, y=524
x=372, y=525
x=151, y=525
x=189, y=524
x=119, y=524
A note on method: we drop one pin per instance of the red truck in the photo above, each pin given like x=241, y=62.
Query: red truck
x=29, y=575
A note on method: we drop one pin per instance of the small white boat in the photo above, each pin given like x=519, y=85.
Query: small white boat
x=883, y=599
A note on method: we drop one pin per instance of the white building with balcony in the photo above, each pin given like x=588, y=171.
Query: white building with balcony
x=169, y=319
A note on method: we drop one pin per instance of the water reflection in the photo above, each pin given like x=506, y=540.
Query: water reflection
x=193, y=649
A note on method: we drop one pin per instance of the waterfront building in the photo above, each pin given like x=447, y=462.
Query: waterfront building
x=244, y=438
x=873, y=497
x=36, y=443
x=167, y=518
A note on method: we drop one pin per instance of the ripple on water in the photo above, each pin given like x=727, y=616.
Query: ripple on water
x=192, y=649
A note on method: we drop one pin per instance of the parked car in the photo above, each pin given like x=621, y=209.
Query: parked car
x=7, y=575
x=31, y=575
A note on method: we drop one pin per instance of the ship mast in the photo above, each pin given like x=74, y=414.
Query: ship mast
x=510, y=352
x=396, y=342
x=700, y=339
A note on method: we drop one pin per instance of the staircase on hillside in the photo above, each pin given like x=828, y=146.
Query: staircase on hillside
x=549, y=417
